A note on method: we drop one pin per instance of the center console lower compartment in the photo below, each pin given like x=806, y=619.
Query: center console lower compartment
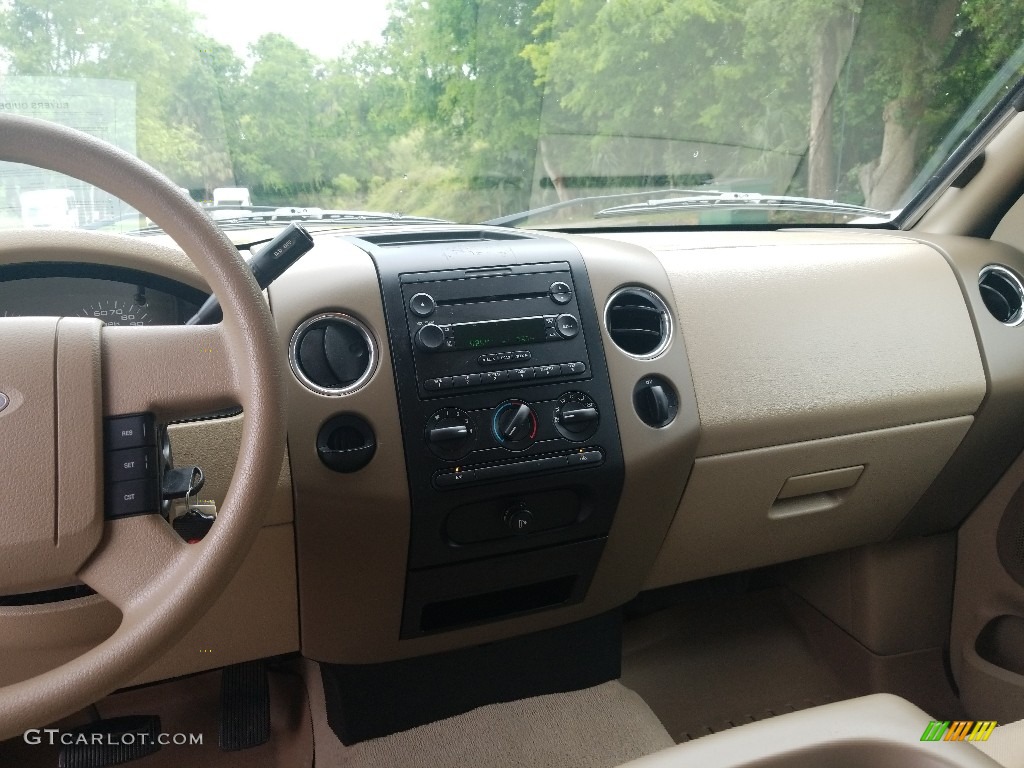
x=511, y=443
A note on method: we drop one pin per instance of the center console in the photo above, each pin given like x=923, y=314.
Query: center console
x=510, y=438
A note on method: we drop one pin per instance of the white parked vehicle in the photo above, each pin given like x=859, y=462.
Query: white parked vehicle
x=235, y=196
x=49, y=208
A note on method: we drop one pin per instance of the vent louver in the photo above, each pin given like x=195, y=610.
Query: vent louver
x=1003, y=294
x=638, y=321
x=332, y=353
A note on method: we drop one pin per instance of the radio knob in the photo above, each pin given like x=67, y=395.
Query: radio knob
x=567, y=326
x=430, y=337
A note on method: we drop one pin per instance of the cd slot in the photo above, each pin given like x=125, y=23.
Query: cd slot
x=459, y=301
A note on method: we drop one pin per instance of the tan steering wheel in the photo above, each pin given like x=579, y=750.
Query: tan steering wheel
x=60, y=377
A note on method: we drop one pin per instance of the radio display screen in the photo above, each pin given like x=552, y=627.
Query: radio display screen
x=499, y=333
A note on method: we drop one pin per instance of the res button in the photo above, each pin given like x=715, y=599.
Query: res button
x=129, y=431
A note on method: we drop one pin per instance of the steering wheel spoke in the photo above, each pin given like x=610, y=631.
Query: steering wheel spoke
x=171, y=371
x=152, y=548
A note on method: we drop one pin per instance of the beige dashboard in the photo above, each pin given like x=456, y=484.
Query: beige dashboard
x=825, y=382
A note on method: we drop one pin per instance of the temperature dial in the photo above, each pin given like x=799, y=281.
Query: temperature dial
x=576, y=416
x=448, y=433
x=514, y=424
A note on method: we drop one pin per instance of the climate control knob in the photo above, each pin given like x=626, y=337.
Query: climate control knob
x=449, y=433
x=514, y=424
x=576, y=416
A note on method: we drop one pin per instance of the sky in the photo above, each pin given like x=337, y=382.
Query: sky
x=324, y=27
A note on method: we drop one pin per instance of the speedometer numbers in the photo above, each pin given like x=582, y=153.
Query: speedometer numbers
x=114, y=312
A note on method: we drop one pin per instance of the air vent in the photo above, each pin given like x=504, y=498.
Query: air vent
x=638, y=322
x=332, y=353
x=1003, y=294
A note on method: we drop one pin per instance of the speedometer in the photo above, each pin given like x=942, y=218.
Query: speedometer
x=114, y=312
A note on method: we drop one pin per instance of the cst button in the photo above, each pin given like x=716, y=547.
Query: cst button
x=132, y=497
x=519, y=519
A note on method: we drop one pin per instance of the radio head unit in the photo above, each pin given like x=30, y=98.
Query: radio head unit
x=507, y=325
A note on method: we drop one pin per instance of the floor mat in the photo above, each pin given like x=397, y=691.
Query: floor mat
x=706, y=667
x=191, y=706
x=606, y=725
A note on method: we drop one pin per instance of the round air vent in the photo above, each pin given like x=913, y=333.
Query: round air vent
x=332, y=353
x=638, y=322
x=1002, y=293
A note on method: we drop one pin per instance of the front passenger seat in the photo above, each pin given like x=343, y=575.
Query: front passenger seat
x=877, y=731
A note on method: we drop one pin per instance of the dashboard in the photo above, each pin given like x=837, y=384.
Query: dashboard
x=115, y=296
x=494, y=433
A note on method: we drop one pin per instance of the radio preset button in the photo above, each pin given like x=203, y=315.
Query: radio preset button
x=560, y=292
x=422, y=305
x=432, y=385
x=446, y=382
x=460, y=381
x=567, y=326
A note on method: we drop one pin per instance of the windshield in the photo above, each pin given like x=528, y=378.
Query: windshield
x=625, y=113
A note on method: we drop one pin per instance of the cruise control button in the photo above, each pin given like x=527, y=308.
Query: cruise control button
x=131, y=463
x=129, y=431
x=132, y=497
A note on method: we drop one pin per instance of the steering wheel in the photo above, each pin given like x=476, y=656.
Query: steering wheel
x=60, y=376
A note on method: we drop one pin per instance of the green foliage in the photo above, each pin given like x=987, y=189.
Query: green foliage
x=469, y=109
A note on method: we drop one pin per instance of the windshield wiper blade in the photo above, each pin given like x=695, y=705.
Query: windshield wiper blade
x=738, y=201
x=515, y=218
